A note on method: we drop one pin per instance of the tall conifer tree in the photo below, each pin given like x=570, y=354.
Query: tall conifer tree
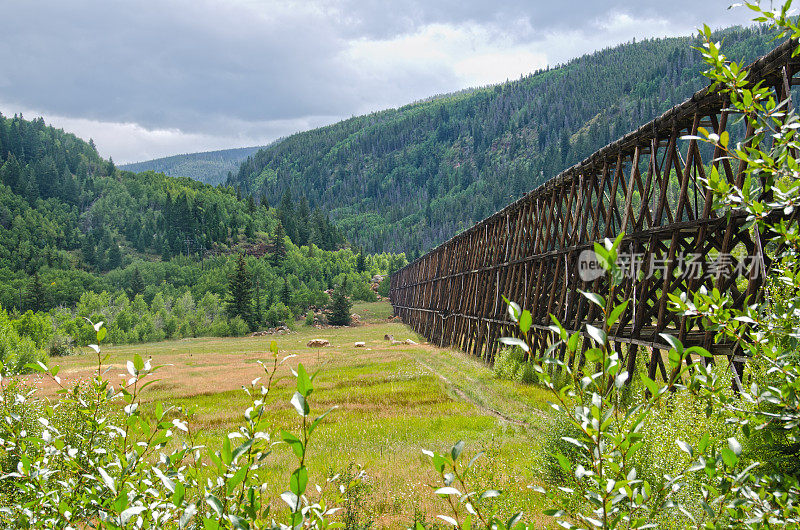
x=240, y=292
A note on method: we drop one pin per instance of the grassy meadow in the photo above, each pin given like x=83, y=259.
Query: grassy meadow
x=394, y=400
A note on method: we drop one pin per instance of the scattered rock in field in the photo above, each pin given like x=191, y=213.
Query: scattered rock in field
x=397, y=342
x=355, y=318
x=388, y=337
x=271, y=331
x=361, y=344
x=409, y=341
x=318, y=343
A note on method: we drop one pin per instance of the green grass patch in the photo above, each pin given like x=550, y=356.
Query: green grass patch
x=393, y=401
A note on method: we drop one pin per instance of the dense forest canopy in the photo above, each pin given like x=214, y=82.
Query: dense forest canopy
x=153, y=256
x=407, y=179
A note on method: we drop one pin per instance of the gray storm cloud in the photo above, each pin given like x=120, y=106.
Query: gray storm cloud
x=148, y=78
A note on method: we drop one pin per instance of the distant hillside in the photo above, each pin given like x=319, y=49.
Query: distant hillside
x=409, y=178
x=211, y=167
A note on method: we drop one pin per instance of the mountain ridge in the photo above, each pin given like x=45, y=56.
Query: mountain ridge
x=411, y=177
x=209, y=167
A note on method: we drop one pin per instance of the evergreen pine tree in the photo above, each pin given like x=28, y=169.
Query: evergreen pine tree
x=114, y=256
x=240, y=296
x=279, y=246
x=35, y=297
x=258, y=317
x=303, y=222
x=339, y=309
x=88, y=251
x=137, y=283
x=287, y=215
x=361, y=262
x=286, y=293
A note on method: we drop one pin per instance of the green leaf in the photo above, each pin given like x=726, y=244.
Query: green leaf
x=513, y=520
x=729, y=457
x=674, y=359
x=514, y=310
x=513, y=341
x=438, y=462
x=699, y=351
x=294, y=442
x=319, y=418
x=138, y=362
x=304, y=386
x=107, y=480
x=455, y=452
x=227, y=454
x=215, y=503
x=474, y=459
x=187, y=515
x=594, y=298
x=488, y=494
x=616, y=313
x=300, y=405
x=572, y=343
x=178, y=495
x=101, y=335
x=525, y=321
x=298, y=481
x=38, y=366
x=565, y=464
x=735, y=446
x=651, y=385
x=673, y=342
x=704, y=441
x=597, y=334
x=449, y=520
x=686, y=448
x=236, y=479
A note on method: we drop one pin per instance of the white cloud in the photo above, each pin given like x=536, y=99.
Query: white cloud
x=451, y=56
x=127, y=142
x=148, y=79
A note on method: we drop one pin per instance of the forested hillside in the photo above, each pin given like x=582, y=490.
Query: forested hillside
x=211, y=167
x=152, y=256
x=409, y=178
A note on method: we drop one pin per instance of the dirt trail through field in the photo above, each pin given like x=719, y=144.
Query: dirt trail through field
x=476, y=392
x=466, y=397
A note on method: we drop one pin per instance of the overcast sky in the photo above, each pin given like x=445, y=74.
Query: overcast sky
x=147, y=79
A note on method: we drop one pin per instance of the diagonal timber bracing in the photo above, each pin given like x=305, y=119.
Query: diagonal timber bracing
x=648, y=185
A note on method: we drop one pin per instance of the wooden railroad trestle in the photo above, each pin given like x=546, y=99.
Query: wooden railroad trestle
x=646, y=184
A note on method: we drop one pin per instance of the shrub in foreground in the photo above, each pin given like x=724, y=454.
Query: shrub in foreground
x=94, y=458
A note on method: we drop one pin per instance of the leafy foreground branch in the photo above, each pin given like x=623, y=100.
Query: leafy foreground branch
x=83, y=463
